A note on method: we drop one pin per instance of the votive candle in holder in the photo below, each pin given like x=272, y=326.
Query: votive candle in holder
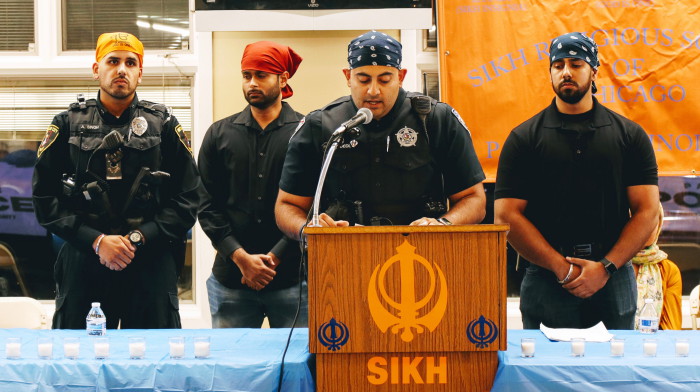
x=201, y=346
x=527, y=347
x=45, y=347
x=137, y=347
x=13, y=348
x=177, y=347
x=71, y=347
x=101, y=346
x=682, y=347
x=617, y=347
x=578, y=347
x=649, y=347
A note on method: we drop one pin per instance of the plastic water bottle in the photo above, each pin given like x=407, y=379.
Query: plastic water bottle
x=648, y=319
x=96, y=321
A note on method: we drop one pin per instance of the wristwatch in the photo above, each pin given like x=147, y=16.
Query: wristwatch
x=136, y=237
x=443, y=220
x=609, y=265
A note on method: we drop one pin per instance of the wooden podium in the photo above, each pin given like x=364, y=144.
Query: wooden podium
x=407, y=308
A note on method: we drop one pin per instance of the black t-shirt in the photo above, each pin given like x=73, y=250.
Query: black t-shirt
x=574, y=172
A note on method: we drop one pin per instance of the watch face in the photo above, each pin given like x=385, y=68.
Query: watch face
x=135, y=237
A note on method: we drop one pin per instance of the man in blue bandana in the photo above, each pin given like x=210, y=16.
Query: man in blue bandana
x=567, y=181
x=414, y=156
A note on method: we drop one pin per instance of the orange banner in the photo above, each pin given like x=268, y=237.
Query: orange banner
x=494, y=67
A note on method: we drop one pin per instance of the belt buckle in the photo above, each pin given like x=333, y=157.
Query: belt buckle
x=583, y=250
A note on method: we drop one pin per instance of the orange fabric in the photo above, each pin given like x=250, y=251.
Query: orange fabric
x=110, y=42
x=671, y=314
x=273, y=58
x=494, y=68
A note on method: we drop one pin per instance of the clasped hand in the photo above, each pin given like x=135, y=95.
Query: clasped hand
x=587, y=278
x=116, y=252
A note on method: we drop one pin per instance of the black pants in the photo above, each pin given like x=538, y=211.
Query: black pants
x=143, y=295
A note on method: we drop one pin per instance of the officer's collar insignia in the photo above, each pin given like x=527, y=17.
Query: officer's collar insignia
x=50, y=137
x=352, y=144
x=138, y=126
x=407, y=137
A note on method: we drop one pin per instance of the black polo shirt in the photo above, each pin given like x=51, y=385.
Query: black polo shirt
x=574, y=173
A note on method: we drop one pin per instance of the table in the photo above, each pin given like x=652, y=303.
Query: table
x=240, y=360
x=554, y=369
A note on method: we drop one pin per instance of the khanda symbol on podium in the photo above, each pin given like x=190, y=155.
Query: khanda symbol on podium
x=407, y=308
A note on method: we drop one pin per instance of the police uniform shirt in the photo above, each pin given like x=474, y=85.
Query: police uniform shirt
x=241, y=165
x=175, y=215
x=574, y=177
x=450, y=148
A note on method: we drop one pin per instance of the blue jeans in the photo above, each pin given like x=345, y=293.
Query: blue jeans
x=244, y=308
x=543, y=300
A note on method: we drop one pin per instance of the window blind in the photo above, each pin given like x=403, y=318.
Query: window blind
x=27, y=107
x=159, y=24
x=16, y=25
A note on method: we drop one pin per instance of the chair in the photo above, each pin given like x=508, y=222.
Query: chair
x=7, y=261
x=694, y=300
x=22, y=312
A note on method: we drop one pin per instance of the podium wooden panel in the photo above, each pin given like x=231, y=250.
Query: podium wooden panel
x=405, y=308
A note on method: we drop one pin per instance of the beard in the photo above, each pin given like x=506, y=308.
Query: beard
x=263, y=99
x=118, y=92
x=572, y=95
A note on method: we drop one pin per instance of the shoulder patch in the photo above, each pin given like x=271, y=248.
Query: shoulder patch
x=301, y=122
x=454, y=113
x=50, y=137
x=183, y=138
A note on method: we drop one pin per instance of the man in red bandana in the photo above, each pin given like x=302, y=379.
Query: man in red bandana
x=256, y=270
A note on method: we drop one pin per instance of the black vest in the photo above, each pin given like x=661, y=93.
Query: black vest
x=388, y=173
x=87, y=131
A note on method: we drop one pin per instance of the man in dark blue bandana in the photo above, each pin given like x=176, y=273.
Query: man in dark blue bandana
x=414, y=156
x=568, y=179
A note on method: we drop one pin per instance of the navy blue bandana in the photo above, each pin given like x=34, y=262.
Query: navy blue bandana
x=574, y=45
x=374, y=48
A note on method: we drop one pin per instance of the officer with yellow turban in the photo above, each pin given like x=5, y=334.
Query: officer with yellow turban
x=116, y=180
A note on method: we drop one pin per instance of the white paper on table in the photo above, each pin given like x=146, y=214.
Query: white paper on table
x=596, y=333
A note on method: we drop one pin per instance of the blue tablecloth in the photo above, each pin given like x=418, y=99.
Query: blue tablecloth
x=241, y=360
x=554, y=369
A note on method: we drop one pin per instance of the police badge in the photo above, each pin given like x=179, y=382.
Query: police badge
x=407, y=137
x=138, y=126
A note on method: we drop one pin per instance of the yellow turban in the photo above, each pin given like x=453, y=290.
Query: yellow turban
x=110, y=42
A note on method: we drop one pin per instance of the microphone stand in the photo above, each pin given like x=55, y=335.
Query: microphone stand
x=321, y=179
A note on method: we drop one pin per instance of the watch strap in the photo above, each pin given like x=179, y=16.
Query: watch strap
x=609, y=265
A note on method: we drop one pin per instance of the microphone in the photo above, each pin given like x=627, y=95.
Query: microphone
x=363, y=116
x=112, y=141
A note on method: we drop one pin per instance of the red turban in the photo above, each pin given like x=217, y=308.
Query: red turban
x=273, y=58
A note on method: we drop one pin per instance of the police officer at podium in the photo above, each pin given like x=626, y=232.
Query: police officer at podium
x=399, y=169
x=116, y=180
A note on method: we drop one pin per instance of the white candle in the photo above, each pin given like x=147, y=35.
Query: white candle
x=137, y=349
x=578, y=347
x=682, y=348
x=528, y=348
x=101, y=350
x=617, y=348
x=201, y=349
x=13, y=350
x=71, y=350
x=177, y=349
x=650, y=348
x=45, y=350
